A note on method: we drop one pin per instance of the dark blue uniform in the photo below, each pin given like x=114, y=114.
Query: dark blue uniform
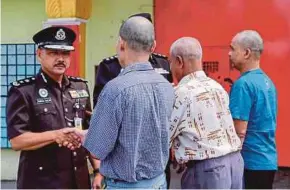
x=38, y=104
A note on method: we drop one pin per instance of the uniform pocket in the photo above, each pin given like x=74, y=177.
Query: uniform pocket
x=46, y=117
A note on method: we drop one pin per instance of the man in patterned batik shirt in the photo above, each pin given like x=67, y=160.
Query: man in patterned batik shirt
x=202, y=133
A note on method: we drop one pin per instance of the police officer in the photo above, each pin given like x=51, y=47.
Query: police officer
x=109, y=68
x=39, y=108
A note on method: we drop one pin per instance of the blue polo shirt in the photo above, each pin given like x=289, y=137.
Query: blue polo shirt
x=253, y=98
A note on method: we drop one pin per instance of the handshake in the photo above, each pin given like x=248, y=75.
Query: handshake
x=71, y=138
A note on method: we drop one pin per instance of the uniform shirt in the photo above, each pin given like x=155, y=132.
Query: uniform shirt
x=253, y=98
x=38, y=104
x=129, y=127
x=201, y=123
x=109, y=68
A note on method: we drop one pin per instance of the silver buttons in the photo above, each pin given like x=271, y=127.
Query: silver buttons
x=40, y=168
x=45, y=109
x=66, y=110
x=75, y=154
x=69, y=124
x=75, y=168
x=84, y=106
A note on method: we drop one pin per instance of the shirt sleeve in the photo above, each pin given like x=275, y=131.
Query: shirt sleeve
x=17, y=112
x=104, y=125
x=178, y=116
x=240, y=101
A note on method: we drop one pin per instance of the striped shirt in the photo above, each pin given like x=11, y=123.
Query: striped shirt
x=129, y=130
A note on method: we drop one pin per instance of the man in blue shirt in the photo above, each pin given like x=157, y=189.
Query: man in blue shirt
x=129, y=129
x=253, y=104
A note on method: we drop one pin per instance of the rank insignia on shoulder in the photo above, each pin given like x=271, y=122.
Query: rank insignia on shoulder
x=159, y=55
x=161, y=71
x=23, y=82
x=76, y=79
x=108, y=59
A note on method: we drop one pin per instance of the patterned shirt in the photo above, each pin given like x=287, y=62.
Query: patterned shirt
x=201, y=123
x=129, y=127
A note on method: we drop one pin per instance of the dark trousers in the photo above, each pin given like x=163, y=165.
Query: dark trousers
x=167, y=173
x=259, y=179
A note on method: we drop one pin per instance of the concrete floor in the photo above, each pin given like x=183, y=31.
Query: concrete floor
x=282, y=181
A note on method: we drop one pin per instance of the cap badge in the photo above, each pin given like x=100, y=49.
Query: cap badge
x=43, y=93
x=60, y=35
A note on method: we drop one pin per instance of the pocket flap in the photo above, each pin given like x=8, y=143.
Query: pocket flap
x=45, y=109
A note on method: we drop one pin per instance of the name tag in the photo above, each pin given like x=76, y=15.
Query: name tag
x=43, y=100
x=78, y=122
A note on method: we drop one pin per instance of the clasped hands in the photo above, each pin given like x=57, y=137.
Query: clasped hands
x=71, y=138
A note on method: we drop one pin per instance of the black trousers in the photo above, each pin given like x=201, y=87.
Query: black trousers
x=259, y=179
x=167, y=173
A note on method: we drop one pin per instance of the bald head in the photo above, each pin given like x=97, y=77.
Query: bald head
x=187, y=48
x=185, y=57
x=250, y=39
x=138, y=32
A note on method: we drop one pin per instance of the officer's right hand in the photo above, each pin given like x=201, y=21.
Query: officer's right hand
x=65, y=137
x=77, y=136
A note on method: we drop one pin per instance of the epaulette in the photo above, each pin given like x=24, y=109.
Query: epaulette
x=110, y=59
x=160, y=55
x=23, y=82
x=76, y=79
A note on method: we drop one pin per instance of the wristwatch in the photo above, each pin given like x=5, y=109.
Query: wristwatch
x=96, y=171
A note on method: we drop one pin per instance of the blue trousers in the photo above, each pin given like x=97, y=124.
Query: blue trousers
x=158, y=182
x=225, y=172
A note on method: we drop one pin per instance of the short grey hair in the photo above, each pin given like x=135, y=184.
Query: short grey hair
x=186, y=47
x=250, y=39
x=138, y=32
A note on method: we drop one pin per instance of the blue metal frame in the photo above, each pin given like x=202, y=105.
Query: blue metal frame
x=18, y=61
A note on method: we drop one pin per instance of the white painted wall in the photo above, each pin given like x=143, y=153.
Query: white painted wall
x=9, y=164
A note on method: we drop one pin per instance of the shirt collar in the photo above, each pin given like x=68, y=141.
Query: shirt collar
x=253, y=71
x=137, y=67
x=195, y=75
x=47, y=80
